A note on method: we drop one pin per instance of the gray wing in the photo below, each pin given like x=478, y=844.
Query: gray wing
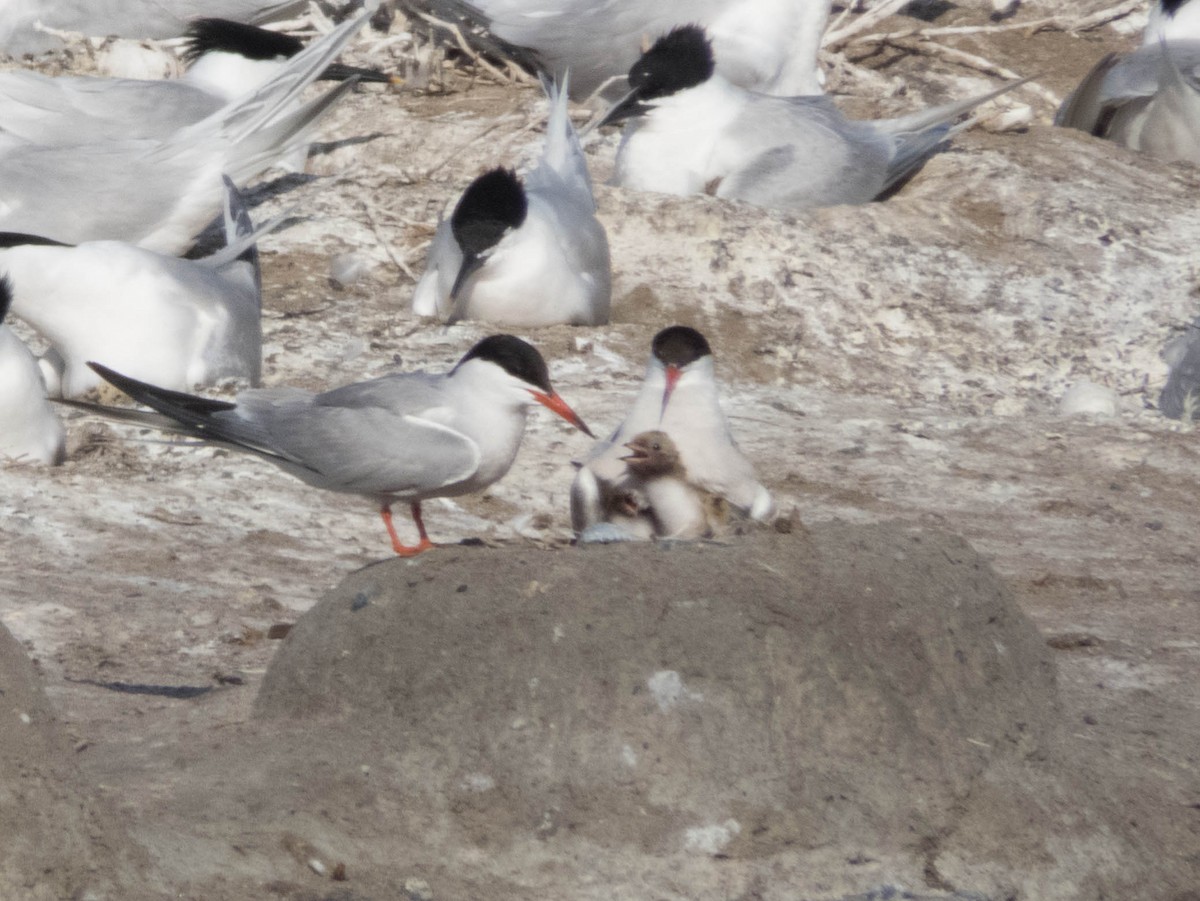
x=802, y=152
x=377, y=438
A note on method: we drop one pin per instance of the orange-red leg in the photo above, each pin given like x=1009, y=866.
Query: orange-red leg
x=405, y=550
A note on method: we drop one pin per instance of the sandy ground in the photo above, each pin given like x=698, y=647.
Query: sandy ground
x=899, y=361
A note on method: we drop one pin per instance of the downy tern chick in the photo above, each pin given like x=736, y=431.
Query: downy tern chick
x=399, y=438
x=763, y=45
x=694, y=132
x=175, y=322
x=160, y=194
x=228, y=60
x=679, y=396
x=658, y=488
x=523, y=254
x=29, y=428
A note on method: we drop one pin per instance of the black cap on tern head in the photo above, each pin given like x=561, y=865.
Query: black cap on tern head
x=518, y=358
x=679, y=346
x=208, y=35
x=680, y=59
x=1170, y=7
x=492, y=204
x=222, y=35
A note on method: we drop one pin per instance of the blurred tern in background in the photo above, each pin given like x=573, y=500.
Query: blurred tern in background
x=228, y=61
x=404, y=437
x=29, y=428
x=178, y=323
x=160, y=194
x=525, y=255
x=678, y=396
x=763, y=45
x=658, y=488
x=694, y=132
x=1172, y=20
x=27, y=26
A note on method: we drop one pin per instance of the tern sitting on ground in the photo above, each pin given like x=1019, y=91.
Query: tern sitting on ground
x=679, y=396
x=30, y=430
x=695, y=132
x=404, y=437
x=764, y=45
x=160, y=194
x=228, y=60
x=178, y=323
x=523, y=254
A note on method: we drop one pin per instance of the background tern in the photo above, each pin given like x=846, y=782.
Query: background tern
x=525, y=255
x=1172, y=20
x=1148, y=100
x=20, y=19
x=404, y=437
x=765, y=45
x=228, y=60
x=160, y=194
x=29, y=428
x=178, y=323
x=695, y=132
x=678, y=396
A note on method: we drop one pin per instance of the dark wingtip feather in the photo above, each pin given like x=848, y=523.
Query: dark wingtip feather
x=188, y=408
x=208, y=35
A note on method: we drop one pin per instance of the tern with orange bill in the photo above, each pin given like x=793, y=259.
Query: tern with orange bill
x=679, y=396
x=404, y=437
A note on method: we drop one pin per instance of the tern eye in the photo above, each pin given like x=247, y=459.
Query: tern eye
x=655, y=446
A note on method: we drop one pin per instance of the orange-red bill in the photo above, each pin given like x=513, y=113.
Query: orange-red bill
x=553, y=402
x=673, y=374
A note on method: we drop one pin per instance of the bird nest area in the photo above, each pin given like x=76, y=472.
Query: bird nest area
x=900, y=361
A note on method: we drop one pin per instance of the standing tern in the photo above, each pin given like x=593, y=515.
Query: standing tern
x=29, y=428
x=160, y=194
x=678, y=396
x=1147, y=100
x=693, y=132
x=764, y=45
x=523, y=254
x=175, y=322
x=404, y=437
x=227, y=60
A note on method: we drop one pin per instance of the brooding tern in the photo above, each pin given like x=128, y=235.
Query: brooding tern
x=523, y=254
x=29, y=428
x=678, y=396
x=764, y=45
x=177, y=323
x=695, y=132
x=227, y=60
x=160, y=194
x=404, y=437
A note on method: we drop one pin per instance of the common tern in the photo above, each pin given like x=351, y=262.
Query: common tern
x=1147, y=100
x=523, y=254
x=160, y=194
x=30, y=430
x=31, y=26
x=657, y=486
x=175, y=322
x=405, y=437
x=679, y=396
x=764, y=45
x=695, y=132
x=227, y=60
